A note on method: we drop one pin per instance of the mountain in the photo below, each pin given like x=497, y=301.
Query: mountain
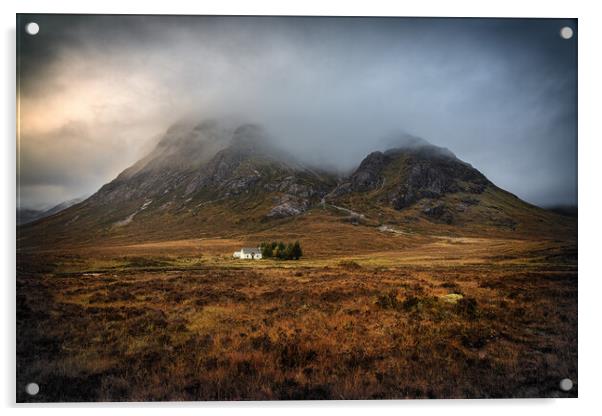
x=27, y=215
x=214, y=180
x=210, y=165
x=423, y=178
x=401, y=177
x=202, y=177
x=567, y=210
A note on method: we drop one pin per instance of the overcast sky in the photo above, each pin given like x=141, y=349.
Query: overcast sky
x=96, y=92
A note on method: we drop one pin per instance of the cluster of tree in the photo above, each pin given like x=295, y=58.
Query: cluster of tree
x=280, y=250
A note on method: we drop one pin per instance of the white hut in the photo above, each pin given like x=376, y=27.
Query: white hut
x=251, y=253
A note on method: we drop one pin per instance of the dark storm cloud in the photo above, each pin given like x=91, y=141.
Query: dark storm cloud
x=500, y=93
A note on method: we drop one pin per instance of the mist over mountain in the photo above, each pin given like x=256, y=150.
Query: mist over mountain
x=215, y=178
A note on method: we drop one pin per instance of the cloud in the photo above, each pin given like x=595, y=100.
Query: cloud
x=97, y=91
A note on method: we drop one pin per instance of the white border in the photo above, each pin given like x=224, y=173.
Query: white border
x=590, y=195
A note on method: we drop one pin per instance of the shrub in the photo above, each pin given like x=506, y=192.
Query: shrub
x=476, y=337
x=388, y=300
x=293, y=355
x=411, y=302
x=467, y=307
x=350, y=265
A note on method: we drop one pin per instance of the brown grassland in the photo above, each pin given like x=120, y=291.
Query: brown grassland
x=412, y=316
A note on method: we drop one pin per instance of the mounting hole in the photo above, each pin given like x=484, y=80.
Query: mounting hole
x=566, y=33
x=32, y=389
x=32, y=28
x=566, y=384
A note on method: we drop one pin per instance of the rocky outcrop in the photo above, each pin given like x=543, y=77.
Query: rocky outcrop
x=368, y=175
x=288, y=206
x=439, y=213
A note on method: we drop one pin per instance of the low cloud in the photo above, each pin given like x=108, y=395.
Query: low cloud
x=97, y=92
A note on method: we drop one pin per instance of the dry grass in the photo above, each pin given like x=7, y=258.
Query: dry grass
x=436, y=317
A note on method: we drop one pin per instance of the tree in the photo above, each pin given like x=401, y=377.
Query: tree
x=288, y=252
x=266, y=250
x=281, y=250
x=296, y=251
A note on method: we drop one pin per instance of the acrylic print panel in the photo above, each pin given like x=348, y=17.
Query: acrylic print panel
x=275, y=208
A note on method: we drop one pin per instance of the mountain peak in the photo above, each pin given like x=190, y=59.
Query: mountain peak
x=424, y=150
x=403, y=175
x=249, y=135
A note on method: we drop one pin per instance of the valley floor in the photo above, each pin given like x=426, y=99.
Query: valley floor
x=438, y=317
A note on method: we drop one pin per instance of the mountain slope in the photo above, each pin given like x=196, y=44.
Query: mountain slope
x=25, y=215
